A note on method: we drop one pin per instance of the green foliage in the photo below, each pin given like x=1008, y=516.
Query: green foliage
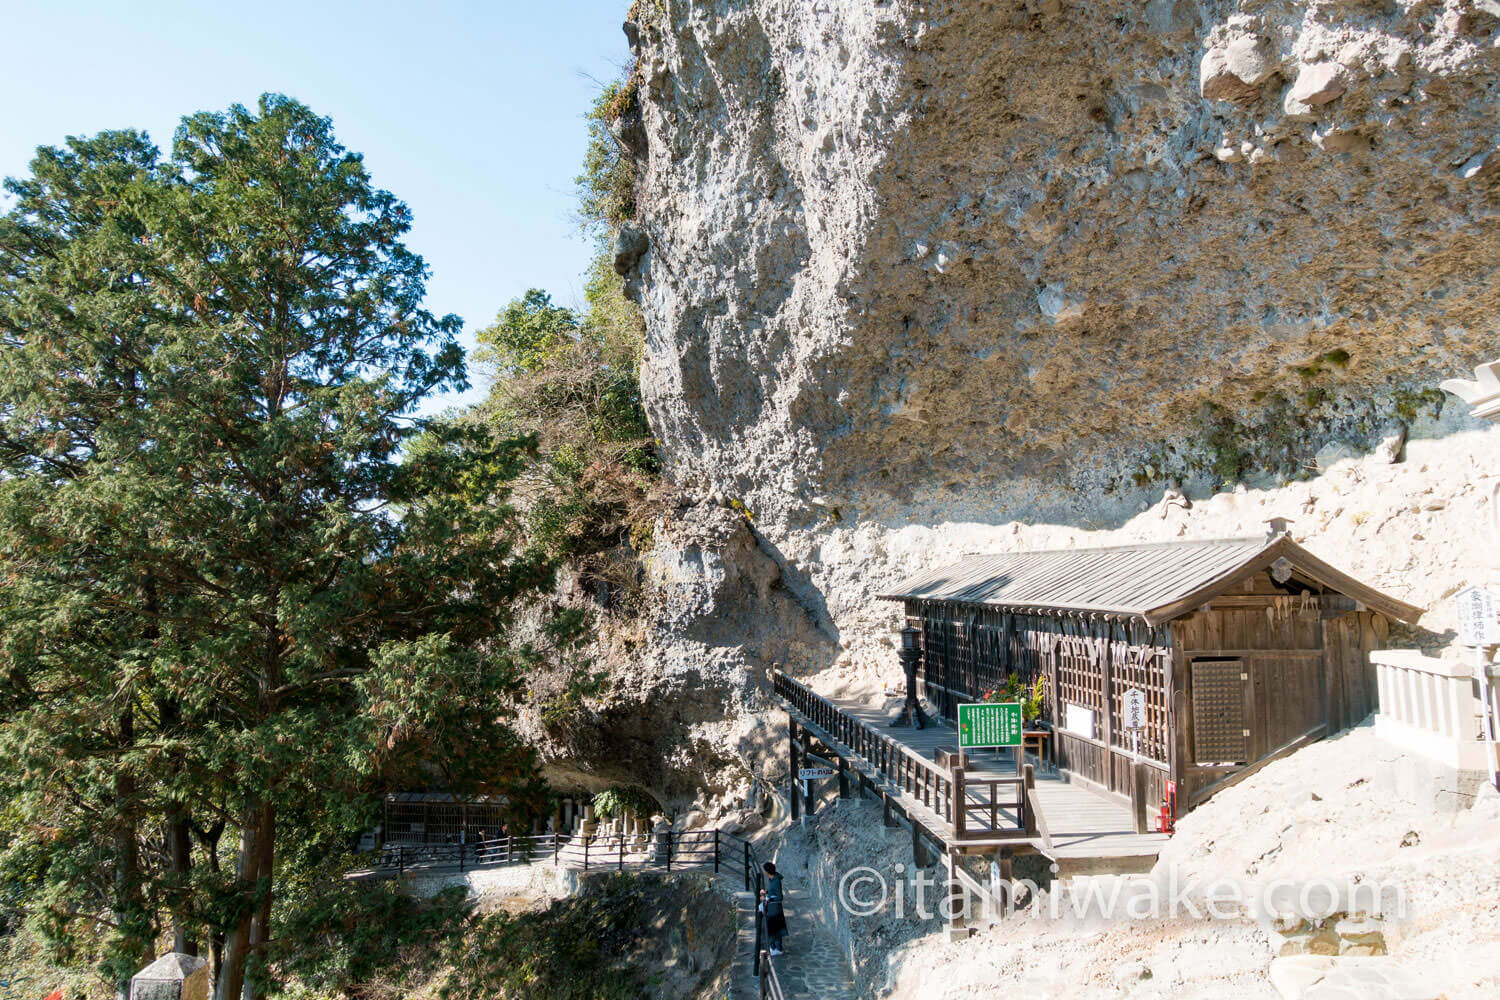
x=1410, y=403
x=572, y=951
x=369, y=941
x=242, y=582
x=616, y=802
x=529, y=333
x=1031, y=697
x=606, y=187
x=342, y=938
x=589, y=489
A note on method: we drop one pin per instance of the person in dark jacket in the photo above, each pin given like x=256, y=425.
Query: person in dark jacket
x=774, y=909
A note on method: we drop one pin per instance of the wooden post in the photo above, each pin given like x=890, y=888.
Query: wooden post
x=807, y=792
x=956, y=806
x=1007, y=874
x=1139, y=782
x=958, y=898
x=1105, y=658
x=844, y=791
x=1028, y=785
x=886, y=818
x=792, y=751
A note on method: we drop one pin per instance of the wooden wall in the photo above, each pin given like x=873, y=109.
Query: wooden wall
x=1089, y=661
x=1305, y=667
x=1303, y=661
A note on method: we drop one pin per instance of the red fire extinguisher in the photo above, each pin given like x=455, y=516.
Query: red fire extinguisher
x=1167, y=821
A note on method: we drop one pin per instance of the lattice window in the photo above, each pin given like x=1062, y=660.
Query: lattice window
x=991, y=657
x=1140, y=660
x=1218, y=712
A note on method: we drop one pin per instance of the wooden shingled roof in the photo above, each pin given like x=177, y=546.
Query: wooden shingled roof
x=1156, y=582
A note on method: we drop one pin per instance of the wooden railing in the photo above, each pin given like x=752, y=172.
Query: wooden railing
x=977, y=805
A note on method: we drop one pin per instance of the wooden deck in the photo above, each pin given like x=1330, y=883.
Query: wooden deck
x=1087, y=831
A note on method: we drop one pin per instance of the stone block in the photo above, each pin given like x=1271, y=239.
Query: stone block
x=173, y=976
x=1319, y=942
x=1360, y=936
x=1292, y=976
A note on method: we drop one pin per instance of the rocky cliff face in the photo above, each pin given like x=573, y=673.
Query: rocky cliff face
x=926, y=278
x=917, y=261
x=913, y=263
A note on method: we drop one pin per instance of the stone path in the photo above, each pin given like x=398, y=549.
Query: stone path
x=813, y=968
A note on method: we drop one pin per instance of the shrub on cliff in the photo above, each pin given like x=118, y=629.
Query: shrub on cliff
x=573, y=381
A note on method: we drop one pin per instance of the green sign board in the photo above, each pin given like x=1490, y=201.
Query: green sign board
x=989, y=724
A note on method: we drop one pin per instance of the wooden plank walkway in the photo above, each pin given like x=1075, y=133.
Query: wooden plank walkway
x=1091, y=832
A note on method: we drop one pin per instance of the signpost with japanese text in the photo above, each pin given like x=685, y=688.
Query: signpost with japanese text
x=989, y=724
x=1478, y=629
x=1133, y=716
x=1477, y=621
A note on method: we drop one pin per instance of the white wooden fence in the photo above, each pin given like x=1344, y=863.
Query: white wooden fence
x=1429, y=706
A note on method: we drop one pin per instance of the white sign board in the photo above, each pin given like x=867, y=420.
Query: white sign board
x=1079, y=721
x=1133, y=709
x=1477, y=622
x=814, y=773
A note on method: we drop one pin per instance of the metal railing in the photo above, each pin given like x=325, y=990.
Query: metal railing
x=770, y=982
x=665, y=850
x=707, y=851
x=977, y=806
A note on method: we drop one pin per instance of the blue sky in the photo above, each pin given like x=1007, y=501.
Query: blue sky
x=472, y=113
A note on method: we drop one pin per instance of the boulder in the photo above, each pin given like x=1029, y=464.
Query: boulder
x=1392, y=444
x=630, y=246
x=1171, y=17
x=1360, y=936
x=1234, y=70
x=1058, y=306
x=629, y=130
x=1480, y=165
x=1319, y=83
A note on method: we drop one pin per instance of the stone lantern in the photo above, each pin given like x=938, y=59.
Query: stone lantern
x=911, y=654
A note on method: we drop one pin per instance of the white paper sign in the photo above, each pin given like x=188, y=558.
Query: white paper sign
x=815, y=773
x=1477, y=622
x=1079, y=721
x=1133, y=709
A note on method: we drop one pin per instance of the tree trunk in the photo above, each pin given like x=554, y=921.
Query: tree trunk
x=260, y=928
x=209, y=841
x=129, y=905
x=179, y=833
x=231, y=981
x=180, y=860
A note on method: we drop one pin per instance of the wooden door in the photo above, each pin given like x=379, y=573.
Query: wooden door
x=1221, y=716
